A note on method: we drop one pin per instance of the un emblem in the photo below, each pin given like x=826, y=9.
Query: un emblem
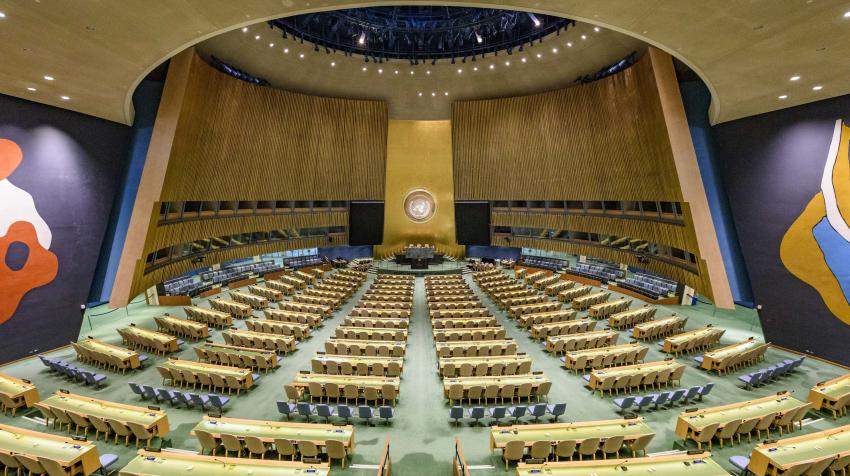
x=419, y=205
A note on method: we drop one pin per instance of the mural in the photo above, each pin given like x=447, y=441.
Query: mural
x=25, y=259
x=816, y=247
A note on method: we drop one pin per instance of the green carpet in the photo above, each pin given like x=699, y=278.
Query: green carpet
x=421, y=434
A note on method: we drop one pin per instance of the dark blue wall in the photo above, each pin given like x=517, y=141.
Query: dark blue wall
x=497, y=252
x=772, y=166
x=697, y=99
x=346, y=252
x=72, y=167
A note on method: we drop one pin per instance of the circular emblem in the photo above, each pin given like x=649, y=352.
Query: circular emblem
x=419, y=205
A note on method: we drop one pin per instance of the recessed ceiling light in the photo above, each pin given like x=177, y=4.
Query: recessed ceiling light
x=459, y=71
x=596, y=29
x=428, y=72
x=286, y=50
x=411, y=72
x=271, y=45
x=3, y=15
x=257, y=37
x=396, y=71
x=49, y=78
x=817, y=88
x=539, y=55
x=583, y=37
x=446, y=93
x=784, y=96
x=492, y=66
x=31, y=89
x=364, y=68
x=846, y=15
x=475, y=68
x=420, y=94
x=244, y=29
x=507, y=63
x=795, y=78
x=569, y=44
x=64, y=98
x=380, y=71
x=554, y=50
x=523, y=59
x=433, y=93
x=333, y=63
x=301, y=56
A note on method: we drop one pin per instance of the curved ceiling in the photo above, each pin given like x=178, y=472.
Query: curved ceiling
x=97, y=51
x=423, y=91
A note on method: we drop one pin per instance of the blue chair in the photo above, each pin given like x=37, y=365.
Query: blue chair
x=624, y=403
x=198, y=399
x=168, y=395
x=798, y=362
x=324, y=411
x=107, y=460
x=137, y=390
x=751, y=380
x=641, y=402
x=586, y=378
x=456, y=413
x=256, y=377
x=47, y=362
x=180, y=342
x=556, y=410
x=344, y=411
x=386, y=413
x=94, y=379
x=660, y=344
x=705, y=390
x=149, y=392
x=305, y=409
x=364, y=412
x=516, y=412
x=497, y=413
x=698, y=359
x=218, y=401
x=537, y=411
x=285, y=408
x=740, y=462
x=142, y=359
x=660, y=399
x=691, y=393
x=676, y=396
x=476, y=413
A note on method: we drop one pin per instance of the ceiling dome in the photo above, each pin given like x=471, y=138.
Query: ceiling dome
x=420, y=33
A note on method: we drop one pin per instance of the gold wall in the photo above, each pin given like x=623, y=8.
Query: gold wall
x=419, y=155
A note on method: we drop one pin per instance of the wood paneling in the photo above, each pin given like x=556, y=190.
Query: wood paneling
x=604, y=140
x=241, y=141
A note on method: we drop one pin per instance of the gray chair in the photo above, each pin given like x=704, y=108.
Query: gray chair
x=386, y=413
x=456, y=413
x=476, y=413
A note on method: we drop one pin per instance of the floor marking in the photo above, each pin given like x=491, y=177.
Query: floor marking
x=667, y=453
x=179, y=450
x=37, y=420
x=364, y=466
x=481, y=466
x=809, y=421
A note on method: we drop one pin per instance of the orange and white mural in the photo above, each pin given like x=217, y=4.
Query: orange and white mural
x=21, y=225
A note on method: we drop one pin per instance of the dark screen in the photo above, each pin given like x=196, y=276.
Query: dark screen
x=366, y=223
x=472, y=223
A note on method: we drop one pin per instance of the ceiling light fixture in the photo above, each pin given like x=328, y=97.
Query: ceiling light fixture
x=583, y=37
x=555, y=50
x=492, y=66
x=286, y=50
x=380, y=71
x=478, y=38
x=596, y=29
x=3, y=15
x=784, y=96
x=428, y=72
x=459, y=71
x=846, y=15
x=539, y=55
x=31, y=89
x=396, y=71
x=507, y=63
x=817, y=88
x=795, y=77
x=333, y=63
x=49, y=78
x=301, y=56
x=244, y=29
x=364, y=68
x=64, y=98
x=433, y=93
x=569, y=44
x=534, y=19
x=411, y=72
x=475, y=68
x=446, y=93
x=523, y=59
x=257, y=37
x=420, y=94
x=271, y=45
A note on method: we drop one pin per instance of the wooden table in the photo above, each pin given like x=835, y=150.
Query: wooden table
x=767, y=458
x=756, y=408
x=179, y=464
x=287, y=341
x=461, y=322
x=244, y=376
x=561, y=315
x=572, y=356
x=169, y=342
x=597, y=376
x=371, y=333
x=571, y=327
x=129, y=357
x=534, y=379
x=669, y=465
x=461, y=331
x=24, y=394
x=489, y=360
x=677, y=342
x=255, y=354
x=579, y=431
x=173, y=323
x=373, y=381
x=155, y=421
x=610, y=335
x=714, y=360
x=268, y=431
x=76, y=456
x=354, y=360
x=646, y=330
x=471, y=343
x=829, y=391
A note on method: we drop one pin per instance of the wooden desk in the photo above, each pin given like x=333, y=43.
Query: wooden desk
x=373, y=381
x=371, y=333
x=386, y=322
x=679, y=342
x=458, y=313
x=608, y=337
x=311, y=319
x=474, y=304
x=480, y=343
x=517, y=311
x=583, y=302
x=498, y=332
x=759, y=407
x=22, y=393
x=597, y=376
x=475, y=361
x=186, y=327
x=463, y=322
x=669, y=465
x=605, y=309
x=268, y=431
x=255, y=354
x=168, y=342
x=284, y=343
x=716, y=359
x=631, y=317
x=242, y=375
x=534, y=379
x=209, y=316
x=572, y=357
x=233, y=307
x=768, y=458
x=129, y=357
x=578, y=431
x=652, y=329
x=538, y=331
x=359, y=359
x=829, y=391
x=560, y=315
x=76, y=456
x=179, y=464
x=155, y=421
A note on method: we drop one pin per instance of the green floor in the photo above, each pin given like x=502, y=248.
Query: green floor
x=421, y=435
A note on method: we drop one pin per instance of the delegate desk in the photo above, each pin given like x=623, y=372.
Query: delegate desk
x=579, y=431
x=129, y=358
x=528, y=320
x=508, y=344
x=362, y=347
x=670, y=465
x=354, y=360
x=360, y=381
x=469, y=334
x=827, y=393
x=463, y=322
x=182, y=327
x=256, y=355
x=536, y=380
x=243, y=376
x=663, y=326
x=492, y=360
x=599, y=375
x=719, y=359
x=23, y=393
x=268, y=431
x=690, y=423
x=139, y=336
x=584, y=340
x=77, y=457
x=370, y=333
x=679, y=342
x=260, y=340
x=782, y=455
x=385, y=322
x=155, y=421
x=178, y=464
x=572, y=358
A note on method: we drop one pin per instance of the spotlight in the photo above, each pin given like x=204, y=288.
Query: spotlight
x=534, y=19
x=244, y=29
